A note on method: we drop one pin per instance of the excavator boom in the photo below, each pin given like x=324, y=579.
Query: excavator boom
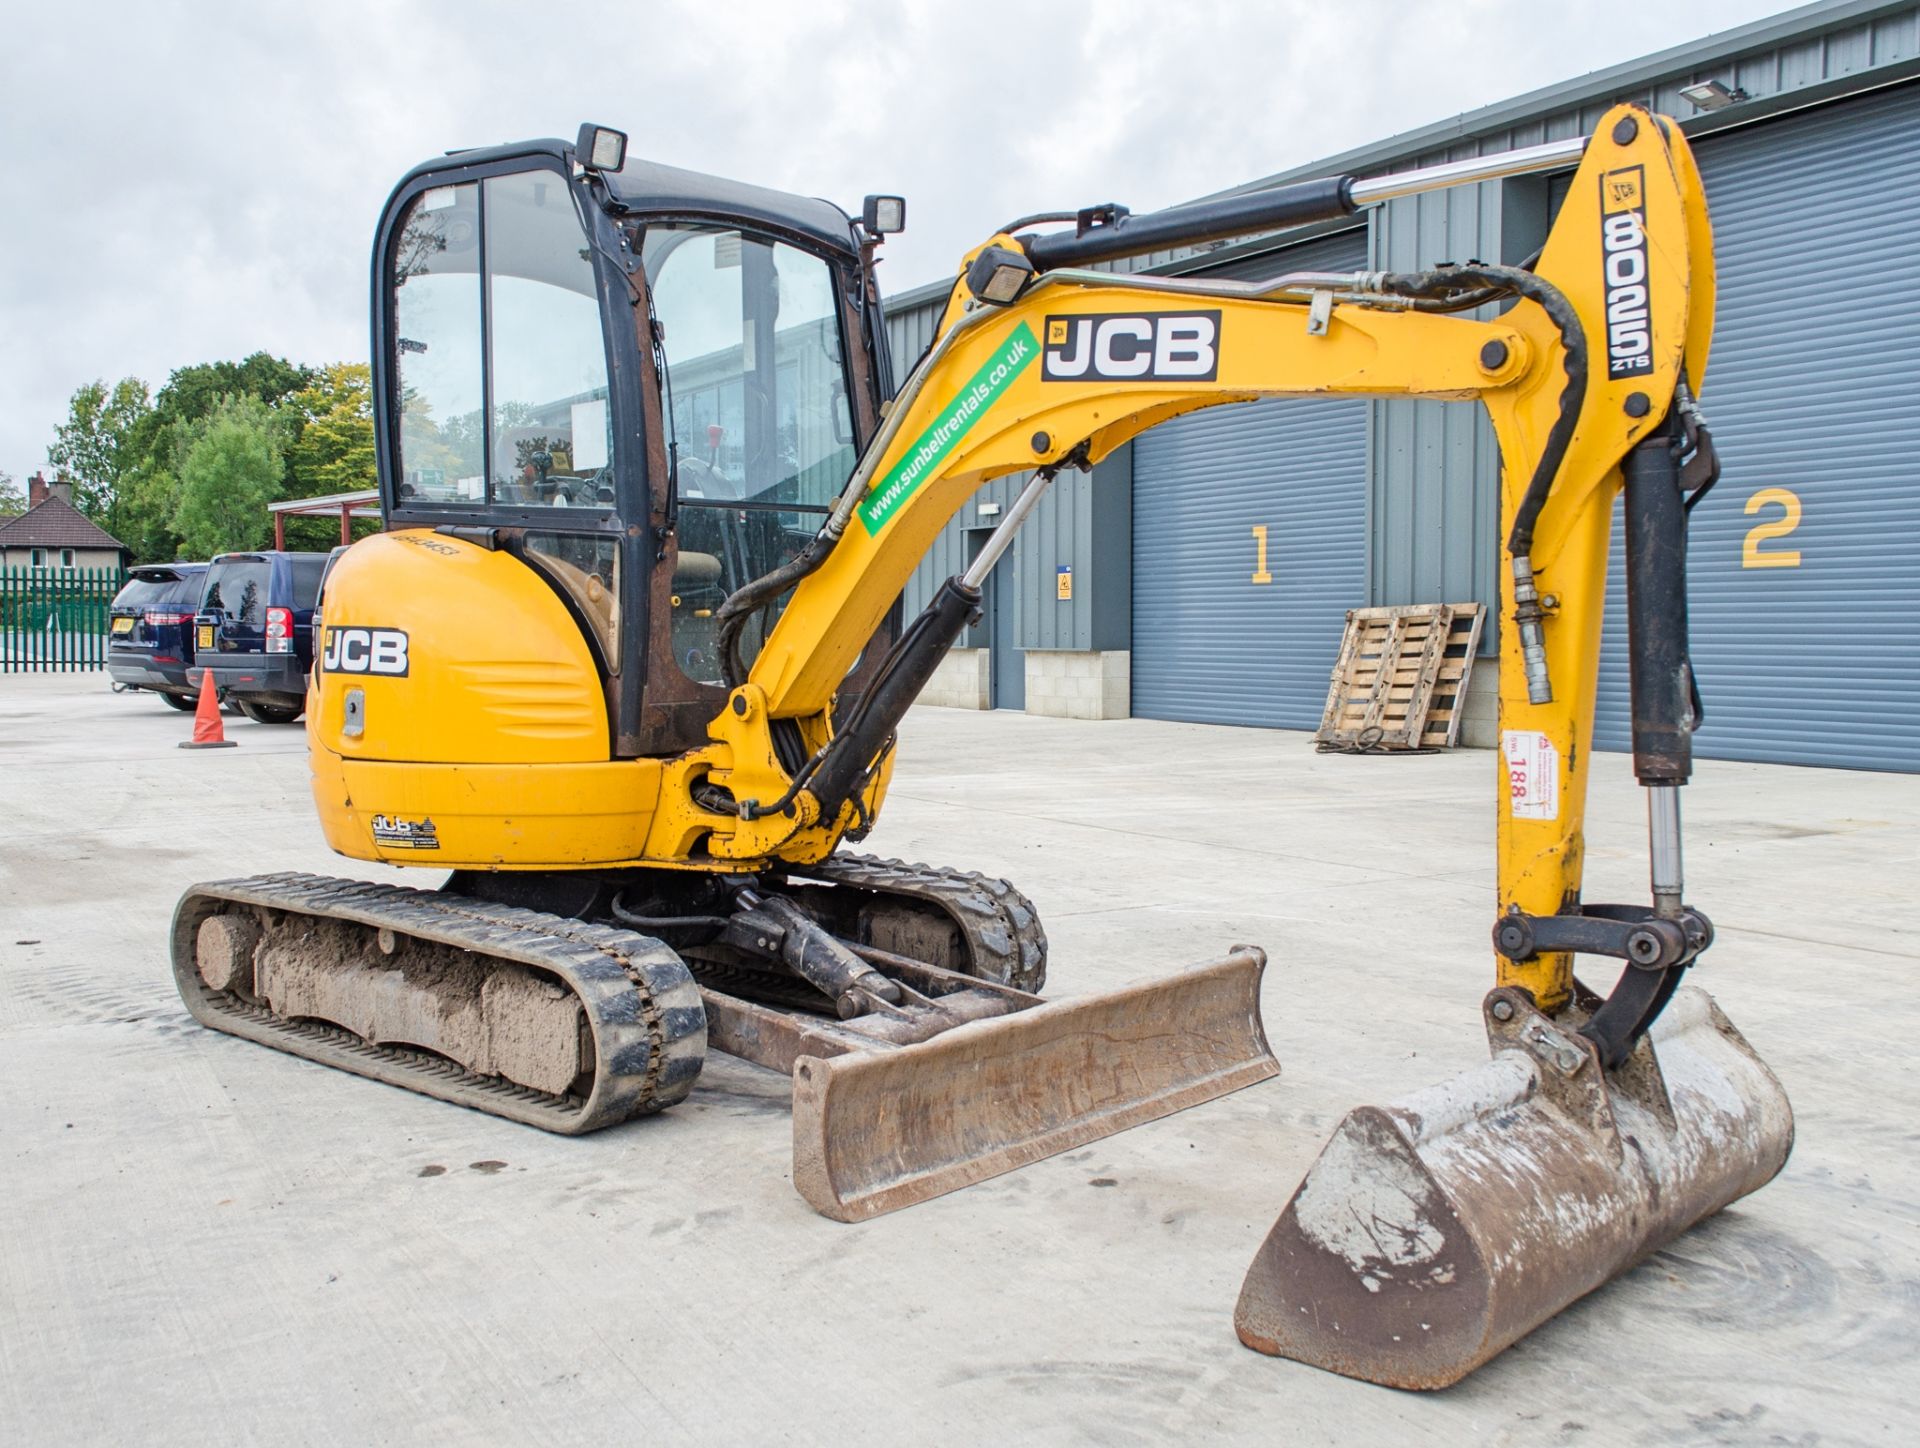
x=1497, y=1199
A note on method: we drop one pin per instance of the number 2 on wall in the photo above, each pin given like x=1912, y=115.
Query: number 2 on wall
x=1752, y=555
x=1260, y=574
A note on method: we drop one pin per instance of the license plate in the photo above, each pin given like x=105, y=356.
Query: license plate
x=123, y=625
x=205, y=636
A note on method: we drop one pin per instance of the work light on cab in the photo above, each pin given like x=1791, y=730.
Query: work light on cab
x=884, y=215
x=600, y=148
x=998, y=276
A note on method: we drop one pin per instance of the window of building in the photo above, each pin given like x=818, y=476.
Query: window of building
x=39, y=557
x=66, y=558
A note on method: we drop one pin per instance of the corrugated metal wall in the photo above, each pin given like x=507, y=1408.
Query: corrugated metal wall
x=1436, y=467
x=1210, y=643
x=910, y=325
x=1428, y=489
x=1813, y=392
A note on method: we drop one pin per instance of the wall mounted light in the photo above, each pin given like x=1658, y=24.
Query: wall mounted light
x=1711, y=95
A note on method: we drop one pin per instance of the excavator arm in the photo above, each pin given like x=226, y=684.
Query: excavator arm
x=1433, y=1232
x=1601, y=353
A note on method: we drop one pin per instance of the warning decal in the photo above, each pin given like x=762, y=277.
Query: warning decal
x=1533, y=774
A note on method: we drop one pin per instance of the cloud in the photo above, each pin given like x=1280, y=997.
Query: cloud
x=189, y=183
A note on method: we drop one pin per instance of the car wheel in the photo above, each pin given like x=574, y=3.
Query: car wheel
x=185, y=703
x=271, y=713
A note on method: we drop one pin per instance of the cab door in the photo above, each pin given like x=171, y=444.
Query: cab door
x=509, y=405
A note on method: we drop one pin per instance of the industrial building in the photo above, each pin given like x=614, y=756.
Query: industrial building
x=1204, y=572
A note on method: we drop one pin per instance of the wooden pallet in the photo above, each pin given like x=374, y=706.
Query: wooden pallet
x=1401, y=679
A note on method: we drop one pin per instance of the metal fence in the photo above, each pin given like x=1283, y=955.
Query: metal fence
x=55, y=619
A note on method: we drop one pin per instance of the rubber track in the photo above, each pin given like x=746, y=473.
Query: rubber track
x=1004, y=938
x=643, y=1009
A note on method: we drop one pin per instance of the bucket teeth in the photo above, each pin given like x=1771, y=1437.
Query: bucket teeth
x=1432, y=1233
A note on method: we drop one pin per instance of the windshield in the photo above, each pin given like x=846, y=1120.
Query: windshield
x=751, y=333
x=758, y=413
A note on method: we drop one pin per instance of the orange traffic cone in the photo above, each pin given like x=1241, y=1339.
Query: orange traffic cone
x=207, y=731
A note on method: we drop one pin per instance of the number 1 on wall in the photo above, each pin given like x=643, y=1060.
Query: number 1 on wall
x=1260, y=574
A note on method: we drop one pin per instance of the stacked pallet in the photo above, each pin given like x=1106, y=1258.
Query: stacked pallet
x=1400, y=683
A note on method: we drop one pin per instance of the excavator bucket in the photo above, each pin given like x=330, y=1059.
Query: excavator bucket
x=1433, y=1232
x=877, y=1130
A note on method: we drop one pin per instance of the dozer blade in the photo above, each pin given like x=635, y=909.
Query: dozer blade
x=1433, y=1232
x=874, y=1131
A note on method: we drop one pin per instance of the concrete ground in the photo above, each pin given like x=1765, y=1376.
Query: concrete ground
x=204, y=1242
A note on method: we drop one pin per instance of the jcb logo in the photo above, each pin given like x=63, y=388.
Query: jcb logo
x=1118, y=347
x=365, y=651
x=1623, y=243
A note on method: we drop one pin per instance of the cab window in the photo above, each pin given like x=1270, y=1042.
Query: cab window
x=436, y=349
x=550, y=439
x=498, y=350
x=758, y=413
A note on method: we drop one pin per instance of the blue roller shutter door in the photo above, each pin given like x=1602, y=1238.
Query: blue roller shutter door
x=1804, y=569
x=1217, y=639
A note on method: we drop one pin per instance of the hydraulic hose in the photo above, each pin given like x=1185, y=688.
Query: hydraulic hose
x=1489, y=283
x=1442, y=287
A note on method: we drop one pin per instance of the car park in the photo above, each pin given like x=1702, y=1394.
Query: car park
x=150, y=638
x=255, y=630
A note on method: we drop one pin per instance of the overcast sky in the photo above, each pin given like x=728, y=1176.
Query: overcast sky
x=185, y=182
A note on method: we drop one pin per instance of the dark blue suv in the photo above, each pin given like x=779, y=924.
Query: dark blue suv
x=255, y=630
x=150, y=643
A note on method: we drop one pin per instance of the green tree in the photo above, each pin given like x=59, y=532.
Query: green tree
x=96, y=445
x=193, y=392
x=149, y=494
x=13, y=502
x=333, y=451
x=231, y=464
x=150, y=489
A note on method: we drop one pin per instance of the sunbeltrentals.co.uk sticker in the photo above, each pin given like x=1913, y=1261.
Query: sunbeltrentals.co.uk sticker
x=920, y=461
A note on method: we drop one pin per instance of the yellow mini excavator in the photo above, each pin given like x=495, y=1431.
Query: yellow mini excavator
x=627, y=663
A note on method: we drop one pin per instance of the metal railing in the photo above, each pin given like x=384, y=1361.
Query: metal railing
x=55, y=620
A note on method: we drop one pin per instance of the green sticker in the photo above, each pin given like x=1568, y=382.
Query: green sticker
x=920, y=461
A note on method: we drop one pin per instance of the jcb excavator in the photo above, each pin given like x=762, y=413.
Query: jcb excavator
x=626, y=663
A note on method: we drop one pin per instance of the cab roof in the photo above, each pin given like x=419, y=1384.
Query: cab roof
x=647, y=187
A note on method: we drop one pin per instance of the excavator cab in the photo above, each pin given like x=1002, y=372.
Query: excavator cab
x=648, y=384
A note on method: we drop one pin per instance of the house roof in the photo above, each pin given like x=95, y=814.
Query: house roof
x=56, y=523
